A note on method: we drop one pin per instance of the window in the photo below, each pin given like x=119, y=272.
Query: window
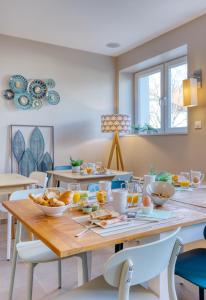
x=159, y=97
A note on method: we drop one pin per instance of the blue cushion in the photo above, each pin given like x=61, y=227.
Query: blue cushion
x=191, y=265
x=66, y=167
x=117, y=184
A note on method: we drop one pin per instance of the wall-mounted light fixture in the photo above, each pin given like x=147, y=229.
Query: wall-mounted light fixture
x=190, y=87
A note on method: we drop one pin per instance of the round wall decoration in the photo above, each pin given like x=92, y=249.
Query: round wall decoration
x=8, y=94
x=18, y=83
x=37, y=88
x=31, y=93
x=53, y=97
x=50, y=83
x=23, y=101
x=37, y=103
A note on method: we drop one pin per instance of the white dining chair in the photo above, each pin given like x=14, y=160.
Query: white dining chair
x=126, y=270
x=18, y=195
x=35, y=252
x=40, y=177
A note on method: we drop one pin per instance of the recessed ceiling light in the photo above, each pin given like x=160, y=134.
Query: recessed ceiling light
x=113, y=45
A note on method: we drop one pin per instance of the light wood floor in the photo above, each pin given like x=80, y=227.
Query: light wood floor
x=45, y=279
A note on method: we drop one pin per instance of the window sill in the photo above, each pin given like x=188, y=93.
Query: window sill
x=156, y=134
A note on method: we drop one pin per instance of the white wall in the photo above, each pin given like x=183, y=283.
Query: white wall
x=174, y=153
x=85, y=82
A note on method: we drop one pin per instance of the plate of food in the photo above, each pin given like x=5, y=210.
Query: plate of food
x=53, y=202
x=107, y=218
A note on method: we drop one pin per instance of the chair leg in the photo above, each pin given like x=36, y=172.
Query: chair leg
x=14, y=259
x=13, y=270
x=8, y=247
x=59, y=274
x=13, y=228
x=30, y=280
x=201, y=294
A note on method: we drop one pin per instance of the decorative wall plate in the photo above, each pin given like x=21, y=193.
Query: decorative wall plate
x=23, y=101
x=8, y=94
x=18, y=83
x=37, y=88
x=53, y=97
x=37, y=103
x=50, y=83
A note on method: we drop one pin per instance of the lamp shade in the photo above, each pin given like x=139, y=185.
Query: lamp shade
x=190, y=92
x=116, y=122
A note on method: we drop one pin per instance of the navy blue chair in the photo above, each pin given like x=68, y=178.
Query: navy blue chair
x=191, y=265
x=116, y=184
x=62, y=168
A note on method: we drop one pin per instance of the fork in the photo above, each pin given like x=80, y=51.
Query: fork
x=88, y=228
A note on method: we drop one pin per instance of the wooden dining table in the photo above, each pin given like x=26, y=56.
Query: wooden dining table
x=59, y=233
x=68, y=176
x=11, y=182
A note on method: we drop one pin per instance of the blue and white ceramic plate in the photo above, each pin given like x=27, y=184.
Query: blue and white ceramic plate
x=37, y=88
x=50, y=83
x=53, y=97
x=37, y=103
x=18, y=84
x=8, y=94
x=23, y=101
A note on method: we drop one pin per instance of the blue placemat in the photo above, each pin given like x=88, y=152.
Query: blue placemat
x=156, y=214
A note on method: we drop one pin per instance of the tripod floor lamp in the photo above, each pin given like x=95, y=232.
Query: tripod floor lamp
x=116, y=123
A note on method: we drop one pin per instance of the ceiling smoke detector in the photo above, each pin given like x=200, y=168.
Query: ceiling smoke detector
x=113, y=45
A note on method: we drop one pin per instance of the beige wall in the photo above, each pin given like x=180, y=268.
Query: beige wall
x=85, y=82
x=176, y=152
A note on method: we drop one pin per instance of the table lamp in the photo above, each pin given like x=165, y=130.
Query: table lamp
x=116, y=123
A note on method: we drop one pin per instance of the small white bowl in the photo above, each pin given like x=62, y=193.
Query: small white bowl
x=56, y=211
x=160, y=187
x=147, y=210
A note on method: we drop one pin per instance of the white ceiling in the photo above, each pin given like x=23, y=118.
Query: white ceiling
x=91, y=24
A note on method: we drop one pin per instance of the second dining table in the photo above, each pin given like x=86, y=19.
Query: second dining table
x=69, y=177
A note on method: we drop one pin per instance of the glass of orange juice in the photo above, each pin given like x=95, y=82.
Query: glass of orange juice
x=76, y=197
x=89, y=170
x=185, y=183
x=101, y=197
x=132, y=199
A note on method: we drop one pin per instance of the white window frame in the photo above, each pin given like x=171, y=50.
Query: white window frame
x=165, y=107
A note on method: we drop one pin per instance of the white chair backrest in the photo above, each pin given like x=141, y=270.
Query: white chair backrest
x=40, y=177
x=23, y=194
x=148, y=261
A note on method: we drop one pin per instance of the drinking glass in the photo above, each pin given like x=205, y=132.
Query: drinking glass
x=74, y=187
x=184, y=179
x=133, y=193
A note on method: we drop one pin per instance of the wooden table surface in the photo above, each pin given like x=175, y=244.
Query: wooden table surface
x=196, y=197
x=68, y=176
x=59, y=233
x=13, y=179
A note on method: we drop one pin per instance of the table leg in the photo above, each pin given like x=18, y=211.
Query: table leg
x=119, y=247
x=54, y=181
